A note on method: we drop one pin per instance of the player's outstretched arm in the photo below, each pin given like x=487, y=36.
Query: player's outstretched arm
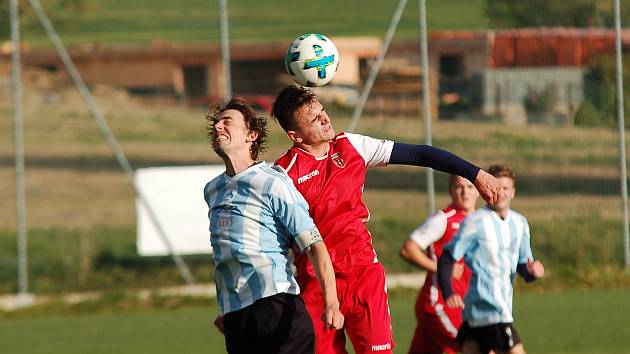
x=444, y=161
x=318, y=254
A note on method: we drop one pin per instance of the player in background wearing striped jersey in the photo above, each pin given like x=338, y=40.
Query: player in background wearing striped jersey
x=437, y=324
x=329, y=170
x=256, y=214
x=494, y=242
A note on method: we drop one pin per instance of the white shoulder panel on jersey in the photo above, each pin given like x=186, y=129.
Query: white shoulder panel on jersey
x=430, y=231
x=375, y=152
x=290, y=163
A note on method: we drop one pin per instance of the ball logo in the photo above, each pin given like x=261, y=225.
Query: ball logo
x=320, y=62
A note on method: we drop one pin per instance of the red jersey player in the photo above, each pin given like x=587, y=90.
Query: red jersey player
x=329, y=170
x=438, y=324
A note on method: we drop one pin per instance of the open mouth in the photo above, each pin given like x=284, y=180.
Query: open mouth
x=220, y=138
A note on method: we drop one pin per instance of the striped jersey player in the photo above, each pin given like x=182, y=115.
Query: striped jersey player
x=255, y=215
x=494, y=242
x=438, y=324
x=273, y=216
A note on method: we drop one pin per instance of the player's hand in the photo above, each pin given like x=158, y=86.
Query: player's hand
x=488, y=187
x=455, y=302
x=458, y=270
x=536, y=268
x=218, y=322
x=332, y=317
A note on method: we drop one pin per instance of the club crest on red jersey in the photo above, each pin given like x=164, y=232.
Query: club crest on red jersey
x=338, y=160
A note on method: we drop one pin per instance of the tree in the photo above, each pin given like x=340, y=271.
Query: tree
x=599, y=106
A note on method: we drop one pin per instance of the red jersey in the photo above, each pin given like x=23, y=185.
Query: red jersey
x=333, y=187
x=448, y=220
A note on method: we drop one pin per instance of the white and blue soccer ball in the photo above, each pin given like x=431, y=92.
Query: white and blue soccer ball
x=312, y=60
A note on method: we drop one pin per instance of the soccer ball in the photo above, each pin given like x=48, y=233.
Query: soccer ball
x=312, y=60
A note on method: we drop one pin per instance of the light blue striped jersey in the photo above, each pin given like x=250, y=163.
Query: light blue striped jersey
x=254, y=218
x=491, y=248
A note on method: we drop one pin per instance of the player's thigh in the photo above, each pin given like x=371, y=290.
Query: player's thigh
x=368, y=322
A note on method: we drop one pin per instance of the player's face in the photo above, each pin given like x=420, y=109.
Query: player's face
x=230, y=133
x=313, y=124
x=463, y=194
x=506, y=194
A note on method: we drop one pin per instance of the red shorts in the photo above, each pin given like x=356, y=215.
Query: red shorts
x=435, y=333
x=363, y=300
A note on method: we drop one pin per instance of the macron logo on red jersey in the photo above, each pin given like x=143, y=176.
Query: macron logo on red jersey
x=308, y=176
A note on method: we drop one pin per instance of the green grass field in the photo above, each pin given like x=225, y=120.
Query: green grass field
x=593, y=321
x=142, y=21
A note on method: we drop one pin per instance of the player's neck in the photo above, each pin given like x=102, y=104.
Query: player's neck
x=237, y=163
x=318, y=149
x=501, y=212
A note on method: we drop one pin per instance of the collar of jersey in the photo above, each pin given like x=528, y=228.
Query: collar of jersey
x=256, y=165
x=496, y=215
x=313, y=156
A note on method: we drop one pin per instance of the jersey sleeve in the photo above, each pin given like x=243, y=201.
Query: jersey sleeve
x=464, y=239
x=430, y=231
x=291, y=210
x=375, y=152
x=525, y=251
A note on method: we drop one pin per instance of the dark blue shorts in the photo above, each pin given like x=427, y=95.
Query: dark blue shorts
x=500, y=336
x=275, y=324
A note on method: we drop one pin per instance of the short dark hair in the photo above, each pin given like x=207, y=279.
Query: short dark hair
x=501, y=170
x=253, y=122
x=288, y=102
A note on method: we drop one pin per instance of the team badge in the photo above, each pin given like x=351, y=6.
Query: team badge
x=338, y=160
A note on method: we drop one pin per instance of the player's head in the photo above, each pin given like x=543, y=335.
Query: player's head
x=234, y=126
x=302, y=116
x=463, y=193
x=507, y=182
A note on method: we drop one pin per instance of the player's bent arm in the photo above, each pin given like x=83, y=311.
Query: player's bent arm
x=412, y=253
x=413, y=250
x=446, y=263
x=318, y=254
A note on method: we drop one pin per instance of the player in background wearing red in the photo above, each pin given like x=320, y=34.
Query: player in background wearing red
x=329, y=170
x=437, y=324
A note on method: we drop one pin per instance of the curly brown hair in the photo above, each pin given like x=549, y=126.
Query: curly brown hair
x=288, y=101
x=253, y=123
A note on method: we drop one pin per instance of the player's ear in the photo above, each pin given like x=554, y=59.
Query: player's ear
x=293, y=136
x=252, y=136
